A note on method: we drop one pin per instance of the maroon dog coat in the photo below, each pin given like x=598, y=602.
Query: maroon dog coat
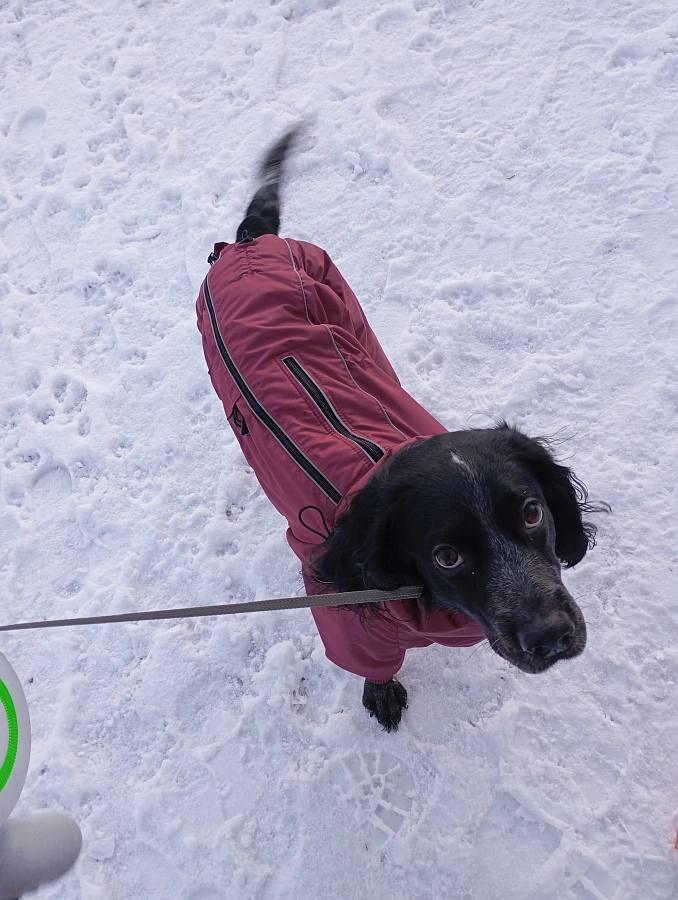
x=316, y=408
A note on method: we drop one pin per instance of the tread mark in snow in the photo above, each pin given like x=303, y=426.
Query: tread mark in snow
x=379, y=788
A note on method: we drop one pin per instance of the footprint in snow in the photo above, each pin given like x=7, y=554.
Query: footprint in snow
x=595, y=883
x=514, y=828
x=379, y=788
x=23, y=153
x=663, y=320
x=29, y=263
x=52, y=483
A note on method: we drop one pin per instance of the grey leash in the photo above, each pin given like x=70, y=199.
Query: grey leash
x=347, y=598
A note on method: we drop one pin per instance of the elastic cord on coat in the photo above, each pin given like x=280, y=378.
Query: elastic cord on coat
x=314, y=530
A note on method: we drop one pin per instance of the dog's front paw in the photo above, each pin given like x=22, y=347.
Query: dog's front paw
x=386, y=702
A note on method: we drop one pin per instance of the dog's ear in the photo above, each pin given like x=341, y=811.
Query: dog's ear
x=366, y=548
x=565, y=496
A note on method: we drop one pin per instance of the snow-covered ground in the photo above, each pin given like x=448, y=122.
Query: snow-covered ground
x=498, y=182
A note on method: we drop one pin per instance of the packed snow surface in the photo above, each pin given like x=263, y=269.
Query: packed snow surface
x=498, y=182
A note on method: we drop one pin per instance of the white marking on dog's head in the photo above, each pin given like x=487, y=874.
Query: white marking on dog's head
x=459, y=461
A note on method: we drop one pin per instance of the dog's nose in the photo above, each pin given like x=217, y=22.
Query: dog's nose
x=547, y=638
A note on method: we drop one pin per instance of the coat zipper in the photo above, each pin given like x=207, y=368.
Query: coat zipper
x=373, y=451
x=262, y=414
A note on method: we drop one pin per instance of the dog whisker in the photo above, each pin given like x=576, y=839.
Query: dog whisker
x=485, y=644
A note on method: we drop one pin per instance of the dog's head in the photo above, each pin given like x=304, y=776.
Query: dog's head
x=483, y=520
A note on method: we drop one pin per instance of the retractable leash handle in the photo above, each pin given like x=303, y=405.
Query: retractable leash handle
x=44, y=847
x=15, y=739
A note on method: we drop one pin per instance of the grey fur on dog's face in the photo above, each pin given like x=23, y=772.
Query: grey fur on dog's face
x=482, y=519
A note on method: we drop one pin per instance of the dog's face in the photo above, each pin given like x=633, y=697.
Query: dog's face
x=482, y=519
x=483, y=541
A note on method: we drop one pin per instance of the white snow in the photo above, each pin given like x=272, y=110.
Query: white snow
x=498, y=182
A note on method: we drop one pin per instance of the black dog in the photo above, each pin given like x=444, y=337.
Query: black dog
x=481, y=519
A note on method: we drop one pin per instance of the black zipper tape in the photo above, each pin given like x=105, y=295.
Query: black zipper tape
x=263, y=415
x=315, y=392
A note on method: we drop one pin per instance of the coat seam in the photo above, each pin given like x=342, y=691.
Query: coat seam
x=336, y=348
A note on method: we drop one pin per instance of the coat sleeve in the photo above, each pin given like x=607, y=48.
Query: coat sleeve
x=318, y=266
x=364, y=646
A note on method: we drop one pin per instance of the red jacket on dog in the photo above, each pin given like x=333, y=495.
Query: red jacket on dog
x=316, y=408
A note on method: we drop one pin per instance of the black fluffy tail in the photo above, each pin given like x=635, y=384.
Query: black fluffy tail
x=263, y=213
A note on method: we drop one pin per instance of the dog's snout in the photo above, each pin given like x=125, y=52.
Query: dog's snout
x=547, y=638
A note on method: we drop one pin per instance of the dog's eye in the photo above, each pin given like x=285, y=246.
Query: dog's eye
x=447, y=557
x=533, y=514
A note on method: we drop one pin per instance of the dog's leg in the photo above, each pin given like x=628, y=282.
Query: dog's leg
x=263, y=213
x=386, y=702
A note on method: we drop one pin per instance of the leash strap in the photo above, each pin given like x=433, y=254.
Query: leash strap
x=346, y=598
